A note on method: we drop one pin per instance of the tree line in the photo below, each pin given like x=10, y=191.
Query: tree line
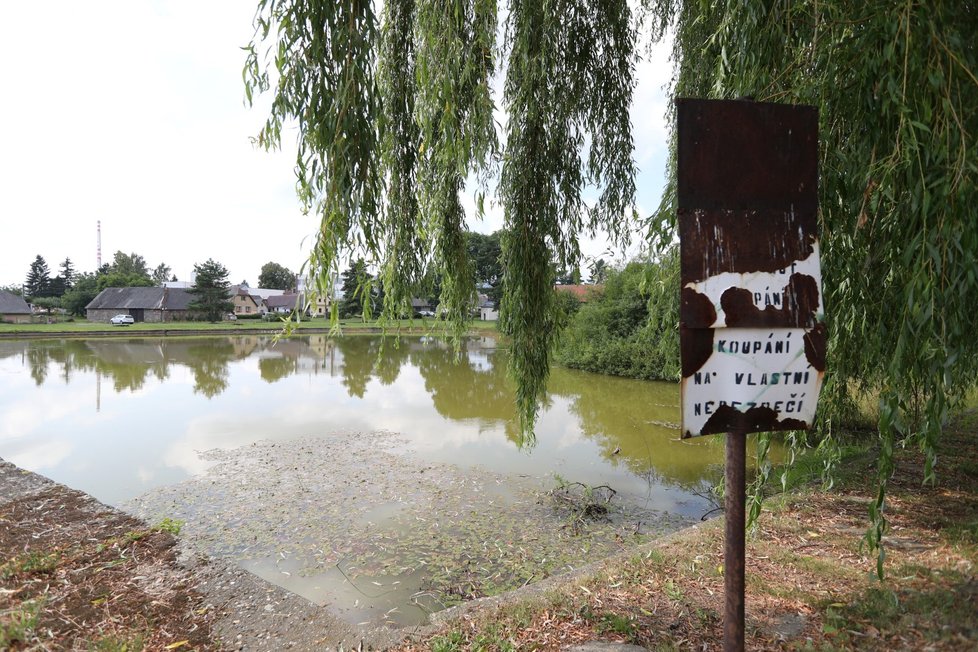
x=362, y=292
x=72, y=291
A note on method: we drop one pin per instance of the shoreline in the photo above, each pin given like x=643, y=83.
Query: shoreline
x=127, y=332
x=809, y=580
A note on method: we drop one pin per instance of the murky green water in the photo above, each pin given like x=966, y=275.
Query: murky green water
x=443, y=506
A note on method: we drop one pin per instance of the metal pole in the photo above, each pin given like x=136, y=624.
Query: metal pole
x=733, y=544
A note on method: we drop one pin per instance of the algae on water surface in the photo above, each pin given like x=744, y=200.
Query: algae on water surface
x=352, y=521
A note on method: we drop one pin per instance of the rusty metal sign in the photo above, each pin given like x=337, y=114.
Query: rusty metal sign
x=751, y=332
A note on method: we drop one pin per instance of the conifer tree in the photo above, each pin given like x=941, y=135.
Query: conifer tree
x=38, y=283
x=211, y=290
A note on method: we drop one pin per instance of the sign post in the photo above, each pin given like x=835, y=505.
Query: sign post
x=751, y=331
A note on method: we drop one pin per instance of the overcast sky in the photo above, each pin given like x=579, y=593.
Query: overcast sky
x=131, y=113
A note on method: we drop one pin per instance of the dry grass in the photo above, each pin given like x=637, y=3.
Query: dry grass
x=78, y=577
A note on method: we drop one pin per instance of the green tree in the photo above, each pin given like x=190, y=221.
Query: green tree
x=161, y=274
x=570, y=276
x=427, y=86
x=895, y=86
x=485, y=252
x=130, y=264
x=599, y=271
x=64, y=280
x=14, y=289
x=211, y=290
x=48, y=303
x=360, y=293
x=126, y=270
x=85, y=289
x=38, y=283
x=113, y=279
x=276, y=277
x=628, y=329
x=394, y=111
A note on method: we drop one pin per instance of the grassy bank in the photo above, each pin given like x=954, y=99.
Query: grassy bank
x=810, y=583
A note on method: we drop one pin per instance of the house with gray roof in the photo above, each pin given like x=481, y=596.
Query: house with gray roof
x=14, y=309
x=154, y=305
x=282, y=304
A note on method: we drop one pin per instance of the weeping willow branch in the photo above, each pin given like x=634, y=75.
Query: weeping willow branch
x=895, y=85
x=395, y=120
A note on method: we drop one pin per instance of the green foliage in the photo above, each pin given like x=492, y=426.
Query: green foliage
x=569, y=79
x=84, y=289
x=114, y=279
x=64, y=280
x=404, y=111
x=129, y=265
x=161, y=274
x=126, y=270
x=896, y=85
x=630, y=328
x=38, y=283
x=17, y=625
x=211, y=291
x=360, y=294
x=598, y=270
x=485, y=252
x=169, y=525
x=568, y=305
x=276, y=277
x=48, y=303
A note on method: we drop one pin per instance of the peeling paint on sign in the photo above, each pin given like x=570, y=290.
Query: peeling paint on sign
x=751, y=332
x=785, y=297
x=754, y=377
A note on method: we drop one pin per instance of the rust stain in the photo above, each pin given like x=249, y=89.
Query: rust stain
x=756, y=419
x=747, y=155
x=816, y=344
x=717, y=241
x=696, y=346
x=799, y=306
x=696, y=308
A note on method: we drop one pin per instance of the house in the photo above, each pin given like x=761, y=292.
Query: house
x=422, y=307
x=262, y=293
x=282, y=303
x=154, y=305
x=487, y=309
x=13, y=309
x=321, y=306
x=245, y=302
x=581, y=292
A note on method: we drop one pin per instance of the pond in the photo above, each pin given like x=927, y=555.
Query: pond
x=378, y=476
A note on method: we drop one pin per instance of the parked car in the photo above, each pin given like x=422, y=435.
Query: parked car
x=122, y=320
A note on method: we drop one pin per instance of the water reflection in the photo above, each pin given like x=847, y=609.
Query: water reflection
x=455, y=407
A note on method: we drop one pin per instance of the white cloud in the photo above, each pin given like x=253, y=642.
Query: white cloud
x=131, y=113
